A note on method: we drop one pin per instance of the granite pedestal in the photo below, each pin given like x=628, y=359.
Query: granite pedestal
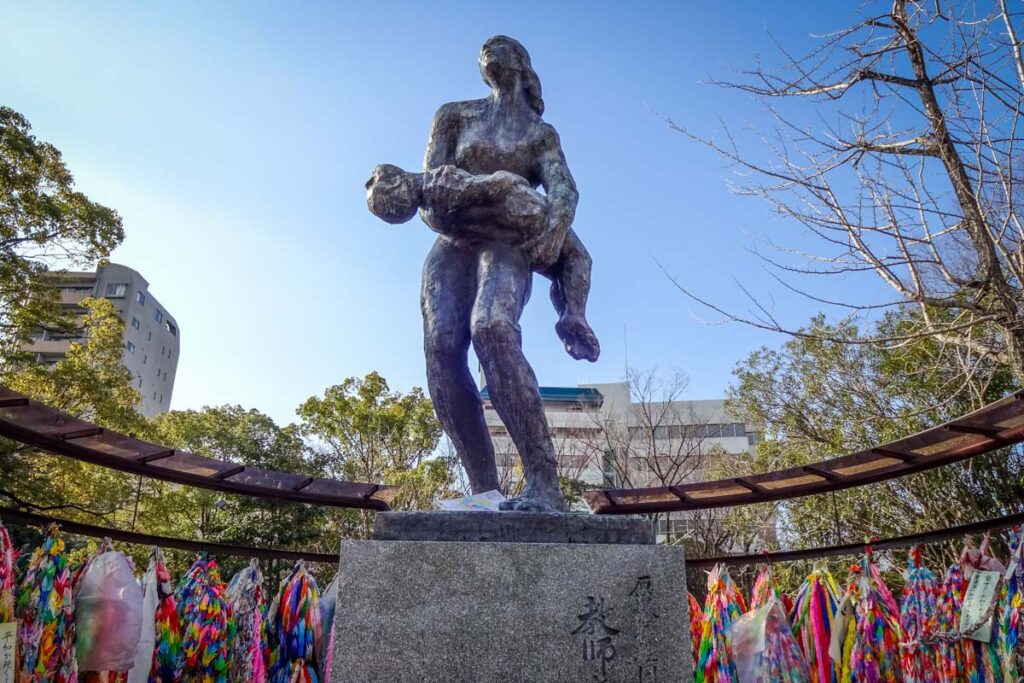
x=487, y=603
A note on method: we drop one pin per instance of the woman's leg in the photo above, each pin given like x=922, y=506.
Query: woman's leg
x=503, y=287
x=446, y=299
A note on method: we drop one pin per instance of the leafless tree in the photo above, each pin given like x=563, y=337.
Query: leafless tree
x=661, y=440
x=656, y=441
x=909, y=171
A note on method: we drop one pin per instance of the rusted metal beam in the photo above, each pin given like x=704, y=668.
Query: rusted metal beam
x=968, y=428
x=942, y=444
x=905, y=456
x=820, y=472
x=152, y=457
x=81, y=433
x=303, y=484
x=681, y=494
x=749, y=485
x=227, y=474
x=34, y=425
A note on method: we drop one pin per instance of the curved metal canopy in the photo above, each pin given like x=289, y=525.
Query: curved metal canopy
x=35, y=424
x=992, y=427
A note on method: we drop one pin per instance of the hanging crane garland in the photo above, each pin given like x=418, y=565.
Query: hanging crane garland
x=1011, y=606
x=168, y=658
x=46, y=610
x=724, y=603
x=696, y=625
x=8, y=556
x=295, y=631
x=206, y=622
x=248, y=654
x=875, y=652
x=813, y=613
x=919, y=622
x=957, y=660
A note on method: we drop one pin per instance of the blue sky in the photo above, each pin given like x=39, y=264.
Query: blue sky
x=234, y=139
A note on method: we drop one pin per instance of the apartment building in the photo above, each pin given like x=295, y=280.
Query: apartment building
x=151, y=334
x=605, y=436
x=589, y=420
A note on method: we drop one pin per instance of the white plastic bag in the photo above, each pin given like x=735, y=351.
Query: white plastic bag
x=147, y=641
x=108, y=614
x=764, y=649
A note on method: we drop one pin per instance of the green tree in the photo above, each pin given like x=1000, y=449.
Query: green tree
x=364, y=431
x=44, y=224
x=816, y=399
x=90, y=383
x=246, y=437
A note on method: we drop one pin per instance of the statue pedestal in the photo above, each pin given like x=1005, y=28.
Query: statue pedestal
x=506, y=608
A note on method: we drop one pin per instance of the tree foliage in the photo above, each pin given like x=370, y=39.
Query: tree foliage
x=246, y=437
x=45, y=224
x=90, y=383
x=816, y=399
x=364, y=431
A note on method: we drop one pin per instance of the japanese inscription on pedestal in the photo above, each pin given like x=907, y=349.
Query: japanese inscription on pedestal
x=598, y=636
x=643, y=621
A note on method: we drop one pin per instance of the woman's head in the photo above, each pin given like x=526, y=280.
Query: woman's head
x=502, y=59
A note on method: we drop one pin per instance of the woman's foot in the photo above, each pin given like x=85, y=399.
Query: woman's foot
x=579, y=339
x=537, y=499
x=521, y=504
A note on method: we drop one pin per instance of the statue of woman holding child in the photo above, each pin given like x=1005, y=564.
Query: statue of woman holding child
x=484, y=161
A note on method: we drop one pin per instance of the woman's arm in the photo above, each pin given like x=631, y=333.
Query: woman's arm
x=443, y=136
x=561, y=194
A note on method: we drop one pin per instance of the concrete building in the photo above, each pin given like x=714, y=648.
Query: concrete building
x=606, y=438
x=587, y=421
x=151, y=335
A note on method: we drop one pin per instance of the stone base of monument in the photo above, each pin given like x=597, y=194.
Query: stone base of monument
x=484, y=600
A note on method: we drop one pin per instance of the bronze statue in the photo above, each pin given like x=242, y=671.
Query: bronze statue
x=483, y=162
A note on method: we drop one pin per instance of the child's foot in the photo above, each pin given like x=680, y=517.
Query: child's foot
x=579, y=339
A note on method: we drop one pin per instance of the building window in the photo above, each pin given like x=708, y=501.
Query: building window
x=141, y=298
x=161, y=398
x=130, y=347
x=117, y=290
x=172, y=329
x=140, y=382
x=144, y=359
x=135, y=323
x=159, y=315
x=154, y=395
x=150, y=336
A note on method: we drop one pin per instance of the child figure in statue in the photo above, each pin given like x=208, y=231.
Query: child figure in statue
x=497, y=207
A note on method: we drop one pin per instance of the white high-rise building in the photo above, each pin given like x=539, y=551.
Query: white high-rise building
x=151, y=335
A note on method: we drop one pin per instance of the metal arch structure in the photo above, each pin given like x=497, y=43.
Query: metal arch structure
x=47, y=429
x=987, y=429
x=10, y=515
